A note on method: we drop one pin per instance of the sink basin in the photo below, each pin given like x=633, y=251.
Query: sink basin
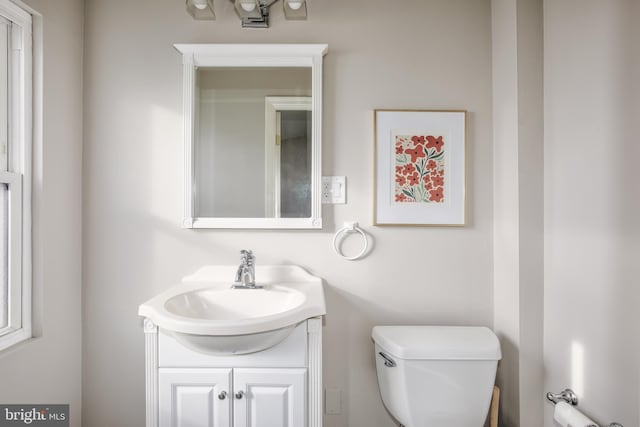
x=215, y=303
x=205, y=314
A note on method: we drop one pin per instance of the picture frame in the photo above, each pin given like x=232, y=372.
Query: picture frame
x=419, y=167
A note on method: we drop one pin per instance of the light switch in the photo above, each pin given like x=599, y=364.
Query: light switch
x=334, y=190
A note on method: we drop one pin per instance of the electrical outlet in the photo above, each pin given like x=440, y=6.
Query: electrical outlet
x=334, y=190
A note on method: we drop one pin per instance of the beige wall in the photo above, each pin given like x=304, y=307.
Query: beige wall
x=518, y=206
x=420, y=54
x=47, y=369
x=592, y=205
x=426, y=54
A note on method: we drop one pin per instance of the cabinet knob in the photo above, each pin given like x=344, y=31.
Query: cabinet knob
x=239, y=394
x=222, y=395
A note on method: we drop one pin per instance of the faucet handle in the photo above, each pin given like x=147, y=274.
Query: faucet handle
x=247, y=257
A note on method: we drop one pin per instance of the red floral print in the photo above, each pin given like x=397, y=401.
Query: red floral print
x=409, y=168
x=419, y=168
x=415, y=153
x=434, y=142
x=413, y=179
x=436, y=195
x=418, y=140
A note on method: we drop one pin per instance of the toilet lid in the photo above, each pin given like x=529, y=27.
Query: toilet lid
x=438, y=342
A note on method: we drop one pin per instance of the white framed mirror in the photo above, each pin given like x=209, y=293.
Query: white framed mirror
x=252, y=135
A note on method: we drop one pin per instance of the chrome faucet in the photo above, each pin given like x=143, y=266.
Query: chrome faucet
x=246, y=274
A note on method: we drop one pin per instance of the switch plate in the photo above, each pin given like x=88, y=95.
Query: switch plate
x=334, y=190
x=332, y=401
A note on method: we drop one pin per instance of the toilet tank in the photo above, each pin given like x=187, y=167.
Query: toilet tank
x=440, y=376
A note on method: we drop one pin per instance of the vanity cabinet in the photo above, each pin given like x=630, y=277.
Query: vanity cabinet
x=271, y=397
x=210, y=397
x=277, y=387
x=192, y=397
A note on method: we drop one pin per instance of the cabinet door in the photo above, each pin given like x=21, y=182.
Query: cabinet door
x=194, y=397
x=269, y=397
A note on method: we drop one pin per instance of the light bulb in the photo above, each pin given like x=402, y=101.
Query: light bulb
x=248, y=7
x=200, y=4
x=295, y=5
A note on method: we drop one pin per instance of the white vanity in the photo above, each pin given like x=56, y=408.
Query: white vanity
x=222, y=357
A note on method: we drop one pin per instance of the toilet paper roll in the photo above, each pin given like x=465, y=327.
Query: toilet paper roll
x=568, y=416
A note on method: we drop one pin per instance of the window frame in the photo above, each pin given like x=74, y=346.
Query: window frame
x=19, y=174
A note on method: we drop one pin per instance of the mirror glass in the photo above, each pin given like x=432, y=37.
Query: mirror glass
x=252, y=142
x=252, y=135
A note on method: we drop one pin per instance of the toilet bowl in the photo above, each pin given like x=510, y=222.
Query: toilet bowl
x=436, y=376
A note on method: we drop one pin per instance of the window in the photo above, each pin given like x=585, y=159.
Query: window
x=15, y=173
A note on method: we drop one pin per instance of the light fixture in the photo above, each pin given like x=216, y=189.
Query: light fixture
x=248, y=7
x=200, y=4
x=253, y=13
x=201, y=9
x=295, y=9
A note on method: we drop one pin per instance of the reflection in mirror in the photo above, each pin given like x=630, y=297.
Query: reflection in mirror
x=295, y=172
x=252, y=148
x=288, y=157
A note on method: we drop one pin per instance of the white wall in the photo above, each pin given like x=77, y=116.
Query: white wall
x=420, y=54
x=592, y=205
x=47, y=369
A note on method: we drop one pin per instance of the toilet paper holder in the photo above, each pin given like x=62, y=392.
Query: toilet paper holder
x=569, y=396
x=566, y=395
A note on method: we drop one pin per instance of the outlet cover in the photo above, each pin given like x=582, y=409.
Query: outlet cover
x=332, y=401
x=334, y=190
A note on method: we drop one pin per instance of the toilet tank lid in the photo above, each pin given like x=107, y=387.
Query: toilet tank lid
x=438, y=342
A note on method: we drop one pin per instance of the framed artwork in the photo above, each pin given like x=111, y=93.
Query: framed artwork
x=419, y=167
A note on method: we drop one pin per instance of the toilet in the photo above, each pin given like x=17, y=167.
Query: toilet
x=436, y=376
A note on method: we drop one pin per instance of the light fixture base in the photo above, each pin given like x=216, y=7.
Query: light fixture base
x=262, y=22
